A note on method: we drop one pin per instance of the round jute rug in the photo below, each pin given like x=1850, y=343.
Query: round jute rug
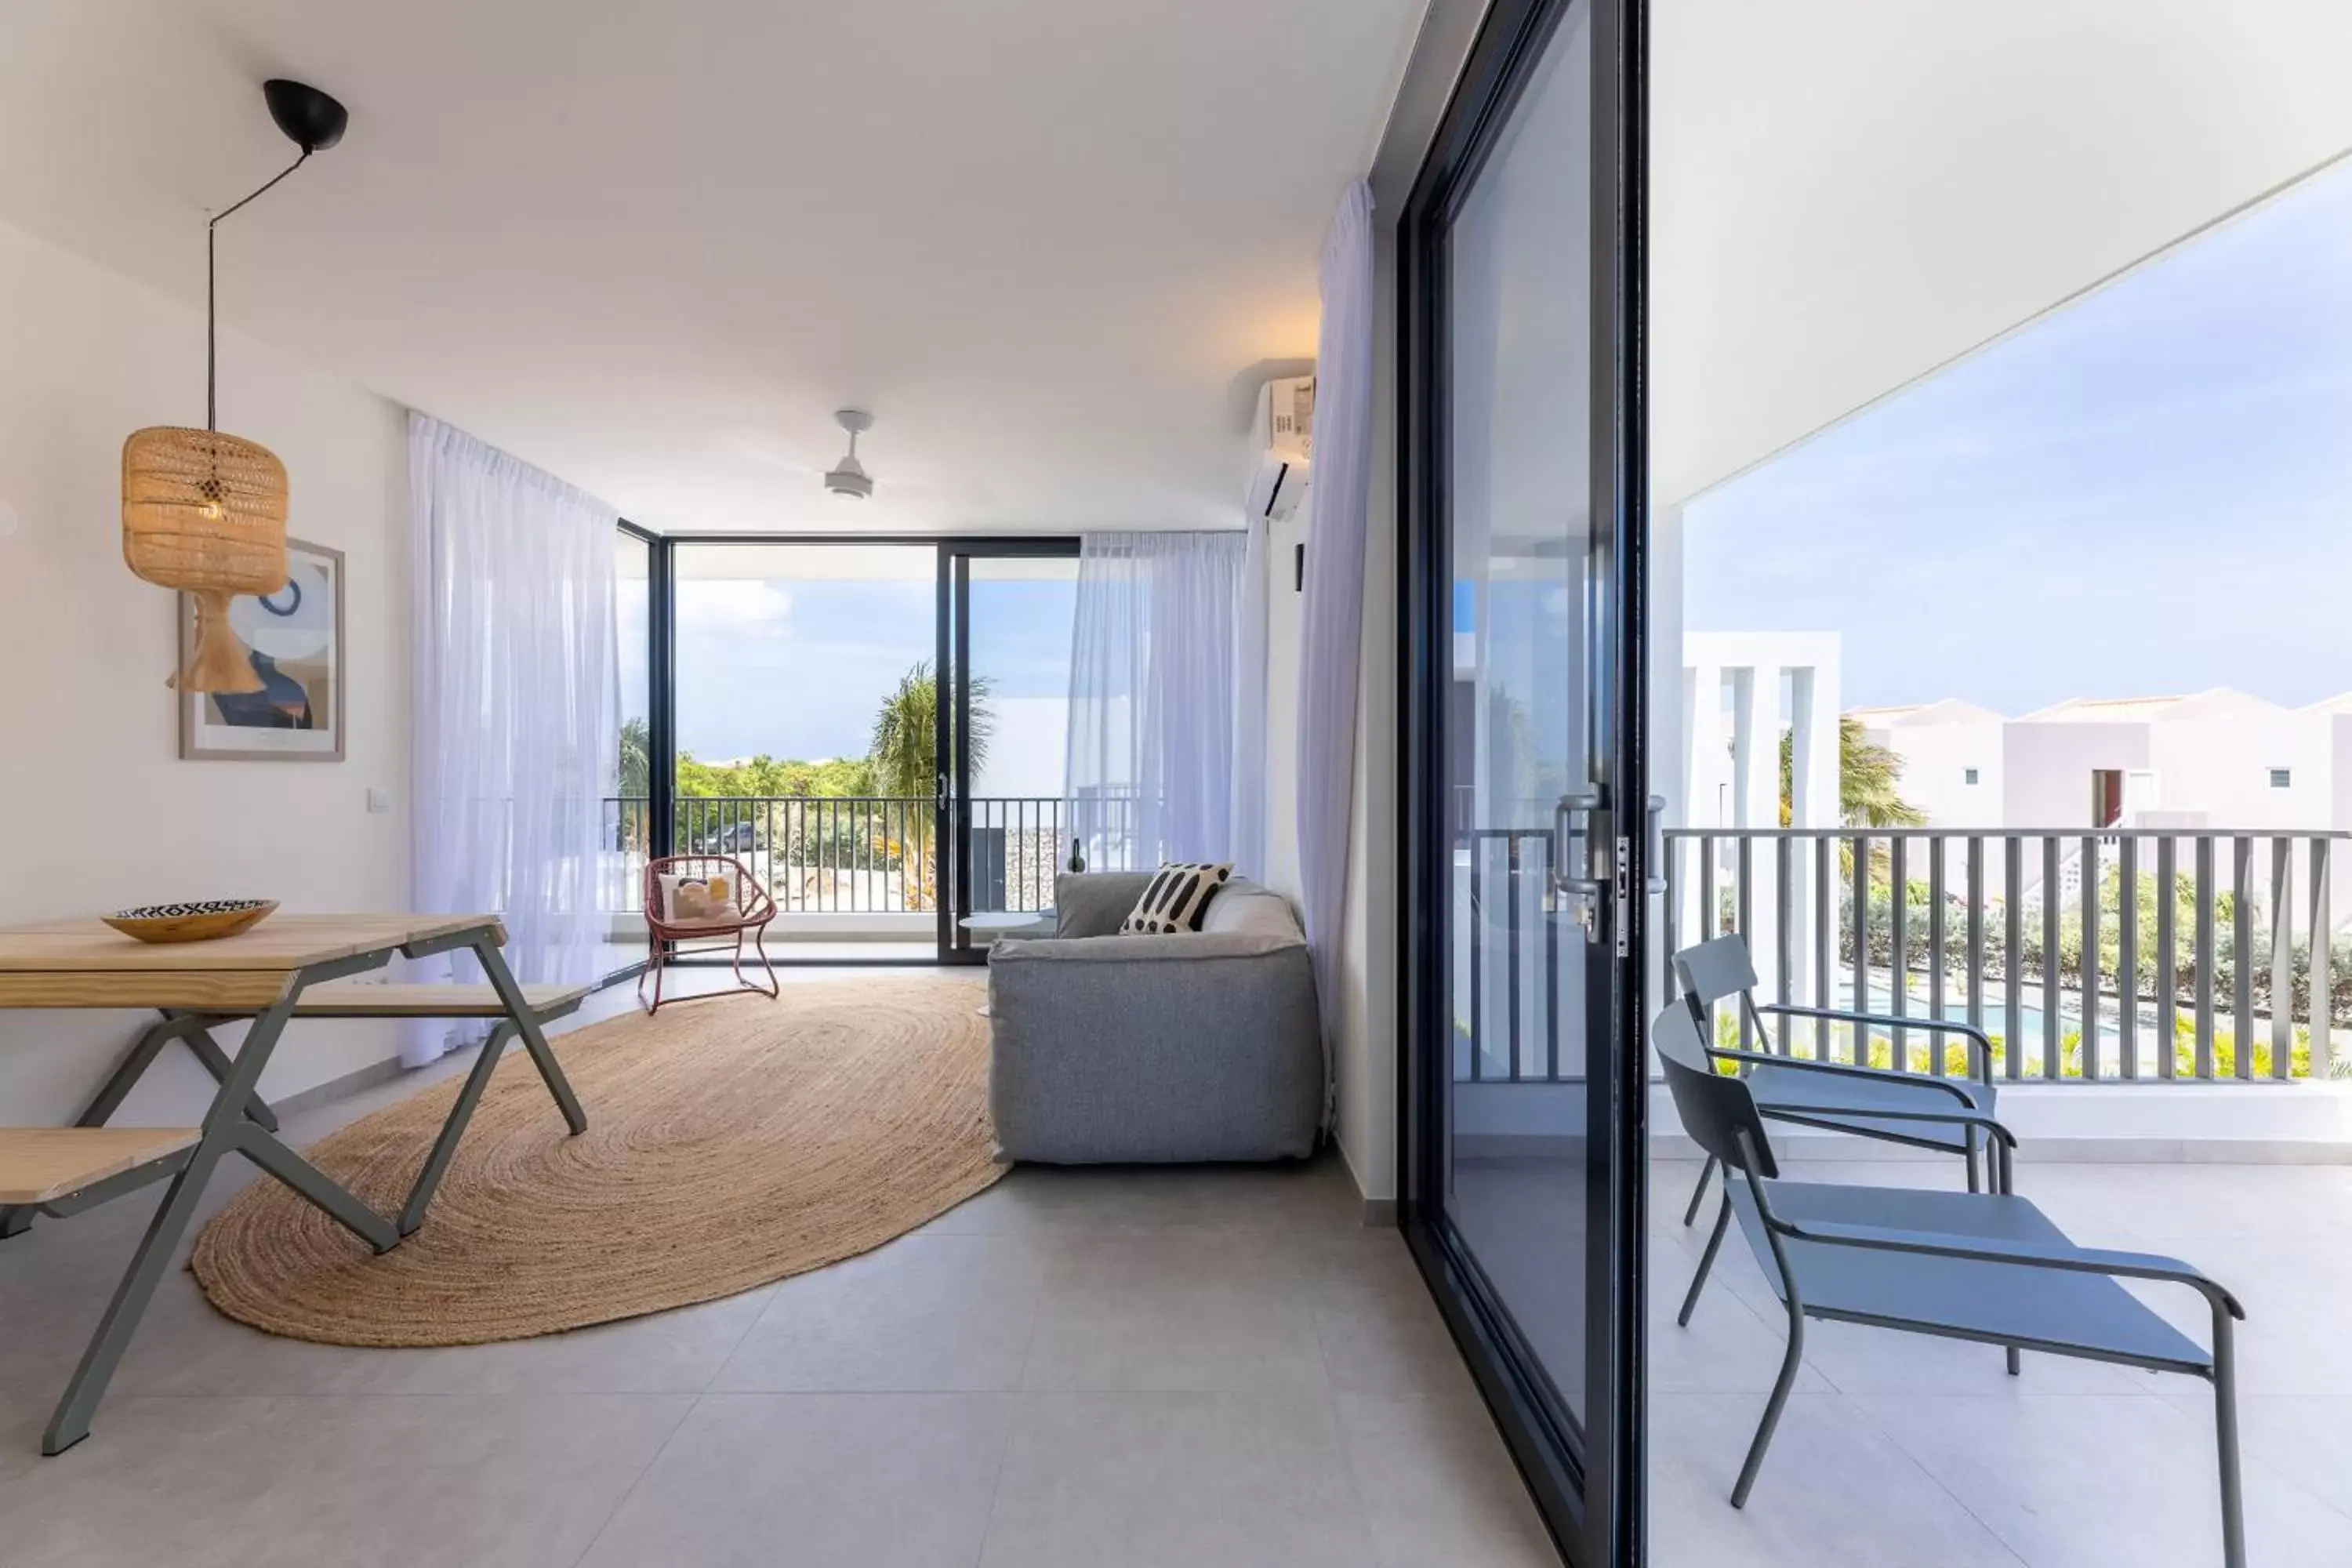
x=728, y=1144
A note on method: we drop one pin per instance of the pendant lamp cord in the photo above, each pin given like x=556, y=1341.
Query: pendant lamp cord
x=211, y=331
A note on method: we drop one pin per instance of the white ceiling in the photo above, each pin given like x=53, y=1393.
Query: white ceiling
x=1052, y=244
x=1846, y=193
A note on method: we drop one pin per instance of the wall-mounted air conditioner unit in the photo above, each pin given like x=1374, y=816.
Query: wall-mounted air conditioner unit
x=1285, y=433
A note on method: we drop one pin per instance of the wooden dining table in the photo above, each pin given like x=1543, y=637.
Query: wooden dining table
x=260, y=974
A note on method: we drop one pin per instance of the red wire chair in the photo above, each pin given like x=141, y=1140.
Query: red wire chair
x=664, y=936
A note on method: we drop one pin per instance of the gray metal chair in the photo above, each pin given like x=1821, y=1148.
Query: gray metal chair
x=1985, y=1266
x=1921, y=1111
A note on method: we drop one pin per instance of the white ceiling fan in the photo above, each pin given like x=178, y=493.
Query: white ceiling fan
x=848, y=479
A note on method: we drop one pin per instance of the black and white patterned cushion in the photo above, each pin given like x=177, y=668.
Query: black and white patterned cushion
x=1175, y=901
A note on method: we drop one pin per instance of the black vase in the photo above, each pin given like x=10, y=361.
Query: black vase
x=1078, y=859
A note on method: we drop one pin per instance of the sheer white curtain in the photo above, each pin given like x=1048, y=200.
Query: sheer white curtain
x=514, y=706
x=1331, y=638
x=1156, y=685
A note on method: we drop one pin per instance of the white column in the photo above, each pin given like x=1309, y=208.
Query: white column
x=1756, y=803
x=1706, y=770
x=1813, y=800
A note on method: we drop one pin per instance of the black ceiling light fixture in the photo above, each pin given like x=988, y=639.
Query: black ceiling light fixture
x=311, y=120
x=204, y=511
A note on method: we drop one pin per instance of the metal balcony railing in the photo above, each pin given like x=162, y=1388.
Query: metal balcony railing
x=2207, y=972
x=848, y=854
x=2118, y=955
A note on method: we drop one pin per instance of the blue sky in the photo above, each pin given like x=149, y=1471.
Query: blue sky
x=2148, y=492
x=797, y=669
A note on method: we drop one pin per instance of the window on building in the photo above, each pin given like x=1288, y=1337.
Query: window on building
x=2282, y=778
x=1969, y=776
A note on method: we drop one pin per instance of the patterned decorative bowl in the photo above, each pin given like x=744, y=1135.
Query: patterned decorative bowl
x=190, y=923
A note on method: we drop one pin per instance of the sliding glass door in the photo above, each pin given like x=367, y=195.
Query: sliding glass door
x=873, y=727
x=1526, y=840
x=1010, y=605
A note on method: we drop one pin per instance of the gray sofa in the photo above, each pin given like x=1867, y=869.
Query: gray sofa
x=1203, y=1046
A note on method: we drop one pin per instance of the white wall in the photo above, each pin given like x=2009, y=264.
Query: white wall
x=100, y=811
x=1366, y=1068
x=2221, y=767
x=2046, y=780
x=1936, y=758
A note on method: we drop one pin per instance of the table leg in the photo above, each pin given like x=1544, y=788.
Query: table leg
x=444, y=1147
x=215, y=1061
x=226, y=1129
x=527, y=1025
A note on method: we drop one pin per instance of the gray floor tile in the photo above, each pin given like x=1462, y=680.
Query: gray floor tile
x=1833, y=1492
x=186, y=1348
x=817, y=1481
x=1176, y=1481
x=1437, y=1485
x=1176, y=1311
x=937, y=1311
x=393, y=1482
x=2073, y=1480
x=1378, y=1327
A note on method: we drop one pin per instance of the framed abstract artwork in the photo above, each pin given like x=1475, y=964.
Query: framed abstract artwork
x=294, y=639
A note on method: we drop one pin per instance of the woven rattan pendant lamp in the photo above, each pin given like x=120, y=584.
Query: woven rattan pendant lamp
x=204, y=511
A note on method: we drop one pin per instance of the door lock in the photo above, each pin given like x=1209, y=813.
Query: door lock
x=1582, y=819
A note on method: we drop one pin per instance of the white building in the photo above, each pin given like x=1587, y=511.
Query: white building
x=2220, y=759
x=1952, y=758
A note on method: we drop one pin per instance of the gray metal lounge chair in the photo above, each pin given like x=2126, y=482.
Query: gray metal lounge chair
x=1966, y=1265
x=1869, y=1102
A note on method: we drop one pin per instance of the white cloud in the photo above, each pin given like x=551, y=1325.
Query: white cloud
x=735, y=604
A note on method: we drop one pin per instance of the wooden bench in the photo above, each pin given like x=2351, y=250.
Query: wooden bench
x=59, y=1162
x=41, y=1165
x=360, y=999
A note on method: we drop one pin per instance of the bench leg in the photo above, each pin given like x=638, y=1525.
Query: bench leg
x=444, y=1147
x=264, y=1151
x=534, y=1041
x=191, y=1027
x=70, y=1422
x=225, y=1130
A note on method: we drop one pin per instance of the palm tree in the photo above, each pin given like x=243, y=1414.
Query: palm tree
x=904, y=751
x=636, y=785
x=1869, y=781
x=636, y=759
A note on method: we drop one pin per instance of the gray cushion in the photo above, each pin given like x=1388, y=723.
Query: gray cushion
x=1092, y=903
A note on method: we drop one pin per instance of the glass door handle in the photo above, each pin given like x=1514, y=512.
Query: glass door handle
x=1571, y=825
